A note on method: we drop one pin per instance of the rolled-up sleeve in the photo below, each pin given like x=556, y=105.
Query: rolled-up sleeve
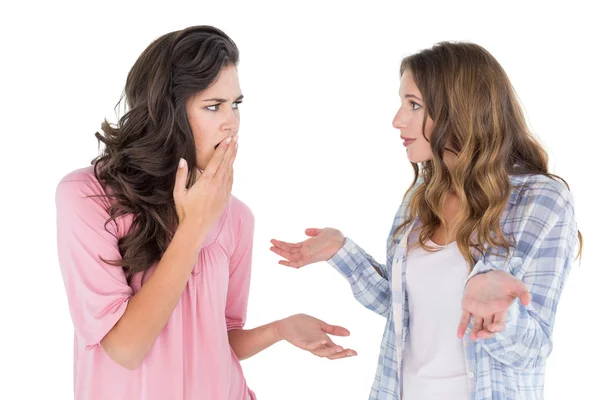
x=370, y=287
x=240, y=267
x=544, y=251
x=97, y=293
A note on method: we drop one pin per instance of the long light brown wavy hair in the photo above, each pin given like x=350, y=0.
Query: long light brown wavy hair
x=475, y=111
x=138, y=164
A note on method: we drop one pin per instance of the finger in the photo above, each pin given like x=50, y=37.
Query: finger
x=287, y=249
x=343, y=354
x=180, y=178
x=199, y=173
x=225, y=167
x=525, y=297
x=217, y=157
x=291, y=247
x=477, y=325
x=285, y=254
x=487, y=321
x=316, y=344
x=463, y=324
x=327, y=351
x=499, y=323
x=485, y=334
x=519, y=290
x=230, y=179
x=313, y=231
x=293, y=264
x=335, y=330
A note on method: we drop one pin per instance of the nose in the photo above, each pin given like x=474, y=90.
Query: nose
x=232, y=122
x=399, y=122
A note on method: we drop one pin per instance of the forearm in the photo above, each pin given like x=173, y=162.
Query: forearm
x=363, y=273
x=248, y=342
x=148, y=311
x=525, y=343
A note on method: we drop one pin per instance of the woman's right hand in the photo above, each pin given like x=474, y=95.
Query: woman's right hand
x=321, y=246
x=204, y=201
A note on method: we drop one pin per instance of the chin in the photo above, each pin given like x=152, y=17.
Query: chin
x=417, y=158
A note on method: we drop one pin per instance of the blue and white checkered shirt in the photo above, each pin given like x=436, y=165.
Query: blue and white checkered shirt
x=540, y=218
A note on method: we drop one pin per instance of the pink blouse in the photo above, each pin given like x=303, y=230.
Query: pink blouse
x=192, y=358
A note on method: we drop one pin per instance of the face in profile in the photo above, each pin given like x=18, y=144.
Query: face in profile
x=409, y=120
x=213, y=114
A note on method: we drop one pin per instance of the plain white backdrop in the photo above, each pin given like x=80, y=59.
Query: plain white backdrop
x=317, y=148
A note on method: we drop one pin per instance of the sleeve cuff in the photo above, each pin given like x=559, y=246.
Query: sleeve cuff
x=349, y=259
x=479, y=268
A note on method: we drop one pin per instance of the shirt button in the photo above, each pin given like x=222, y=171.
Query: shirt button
x=353, y=250
x=471, y=375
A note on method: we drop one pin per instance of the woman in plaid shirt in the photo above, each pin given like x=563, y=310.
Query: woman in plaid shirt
x=479, y=249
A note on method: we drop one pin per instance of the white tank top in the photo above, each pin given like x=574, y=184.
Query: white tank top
x=434, y=364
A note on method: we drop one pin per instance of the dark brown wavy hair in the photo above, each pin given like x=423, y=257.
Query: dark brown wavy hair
x=477, y=116
x=138, y=164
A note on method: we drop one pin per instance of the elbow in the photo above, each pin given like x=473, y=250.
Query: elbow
x=131, y=363
x=378, y=301
x=128, y=360
x=528, y=363
x=126, y=356
x=519, y=360
x=538, y=359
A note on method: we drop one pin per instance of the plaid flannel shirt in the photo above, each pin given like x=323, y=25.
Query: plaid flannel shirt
x=539, y=216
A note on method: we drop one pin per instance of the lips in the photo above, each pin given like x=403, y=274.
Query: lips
x=217, y=145
x=225, y=138
x=407, y=141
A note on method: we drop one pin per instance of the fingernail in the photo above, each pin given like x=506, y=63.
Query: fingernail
x=339, y=350
x=228, y=140
x=235, y=138
x=181, y=162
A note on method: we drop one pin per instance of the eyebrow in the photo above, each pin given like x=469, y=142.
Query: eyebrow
x=408, y=96
x=224, y=100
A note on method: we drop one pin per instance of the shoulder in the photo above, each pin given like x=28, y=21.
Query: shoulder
x=75, y=188
x=81, y=203
x=404, y=209
x=541, y=191
x=240, y=225
x=241, y=218
x=240, y=210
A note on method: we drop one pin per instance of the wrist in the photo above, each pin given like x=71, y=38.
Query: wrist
x=193, y=232
x=278, y=330
x=339, y=241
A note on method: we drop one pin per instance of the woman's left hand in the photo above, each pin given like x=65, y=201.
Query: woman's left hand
x=487, y=298
x=311, y=334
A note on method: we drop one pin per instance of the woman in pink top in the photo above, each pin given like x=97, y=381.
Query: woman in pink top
x=155, y=252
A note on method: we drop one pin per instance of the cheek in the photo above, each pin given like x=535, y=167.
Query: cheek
x=419, y=151
x=425, y=148
x=205, y=135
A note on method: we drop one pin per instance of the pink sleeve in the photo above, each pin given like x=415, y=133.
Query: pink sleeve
x=239, y=269
x=97, y=293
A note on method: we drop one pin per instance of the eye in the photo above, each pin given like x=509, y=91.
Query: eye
x=236, y=104
x=415, y=106
x=214, y=107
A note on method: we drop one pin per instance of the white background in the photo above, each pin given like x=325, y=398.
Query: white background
x=317, y=149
